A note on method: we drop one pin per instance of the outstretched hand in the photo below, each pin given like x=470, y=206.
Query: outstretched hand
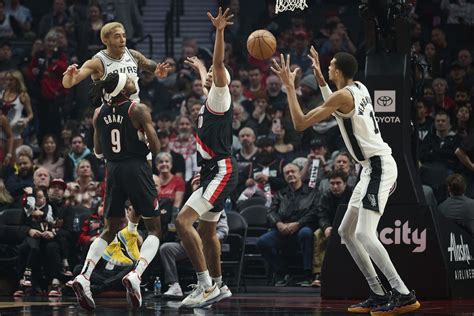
x=221, y=20
x=195, y=63
x=162, y=70
x=71, y=70
x=283, y=71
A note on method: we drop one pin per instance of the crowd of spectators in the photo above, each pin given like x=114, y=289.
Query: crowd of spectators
x=48, y=168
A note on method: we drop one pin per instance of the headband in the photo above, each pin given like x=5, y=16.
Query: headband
x=119, y=87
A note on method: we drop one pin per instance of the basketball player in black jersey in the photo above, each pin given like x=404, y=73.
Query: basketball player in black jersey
x=218, y=180
x=120, y=126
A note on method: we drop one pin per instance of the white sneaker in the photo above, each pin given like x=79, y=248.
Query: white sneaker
x=200, y=295
x=82, y=288
x=224, y=293
x=132, y=283
x=174, y=291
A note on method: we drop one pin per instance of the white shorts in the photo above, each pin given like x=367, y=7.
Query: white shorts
x=202, y=206
x=377, y=182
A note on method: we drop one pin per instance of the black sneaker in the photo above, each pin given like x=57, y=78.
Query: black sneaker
x=285, y=281
x=369, y=304
x=398, y=304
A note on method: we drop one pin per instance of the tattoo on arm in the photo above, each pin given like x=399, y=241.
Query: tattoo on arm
x=143, y=62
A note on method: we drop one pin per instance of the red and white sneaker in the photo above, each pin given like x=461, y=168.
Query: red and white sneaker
x=132, y=283
x=82, y=288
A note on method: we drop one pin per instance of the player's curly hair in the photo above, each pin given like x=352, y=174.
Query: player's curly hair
x=96, y=93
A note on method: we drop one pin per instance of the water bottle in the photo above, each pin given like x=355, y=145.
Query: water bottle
x=228, y=205
x=157, y=286
x=75, y=225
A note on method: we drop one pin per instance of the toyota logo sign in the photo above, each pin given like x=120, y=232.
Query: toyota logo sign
x=384, y=100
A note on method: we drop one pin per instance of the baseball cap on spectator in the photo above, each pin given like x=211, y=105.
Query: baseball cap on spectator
x=456, y=65
x=265, y=141
x=317, y=142
x=310, y=82
x=60, y=182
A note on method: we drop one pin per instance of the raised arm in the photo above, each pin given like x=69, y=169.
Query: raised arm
x=159, y=69
x=318, y=74
x=141, y=115
x=199, y=67
x=220, y=22
x=72, y=76
x=301, y=121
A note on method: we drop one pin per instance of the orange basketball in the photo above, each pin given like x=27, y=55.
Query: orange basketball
x=261, y=44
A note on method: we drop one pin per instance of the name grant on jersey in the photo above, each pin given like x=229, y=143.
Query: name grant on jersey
x=113, y=118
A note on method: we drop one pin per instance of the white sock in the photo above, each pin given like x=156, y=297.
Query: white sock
x=204, y=279
x=93, y=256
x=132, y=227
x=147, y=253
x=218, y=281
x=397, y=284
x=375, y=285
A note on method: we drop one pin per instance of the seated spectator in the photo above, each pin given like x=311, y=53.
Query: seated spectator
x=171, y=252
x=293, y=218
x=465, y=154
x=339, y=192
x=77, y=153
x=15, y=182
x=463, y=122
x=49, y=157
x=7, y=61
x=274, y=92
x=310, y=97
x=442, y=100
x=236, y=92
x=457, y=79
x=246, y=155
x=178, y=166
x=171, y=187
x=185, y=144
x=343, y=162
x=22, y=17
x=267, y=169
x=259, y=120
x=152, y=89
x=41, y=178
x=318, y=150
x=284, y=149
x=439, y=146
x=84, y=177
x=457, y=206
x=256, y=87
x=425, y=122
x=6, y=23
x=41, y=251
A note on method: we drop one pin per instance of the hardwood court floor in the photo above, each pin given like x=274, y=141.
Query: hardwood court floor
x=287, y=301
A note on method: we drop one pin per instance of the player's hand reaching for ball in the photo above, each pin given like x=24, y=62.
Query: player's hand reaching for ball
x=162, y=69
x=283, y=71
x=71, y=70
x=314, y=56
x=221, y=20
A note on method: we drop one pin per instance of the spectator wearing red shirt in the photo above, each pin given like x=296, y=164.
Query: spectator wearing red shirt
x=171, y=186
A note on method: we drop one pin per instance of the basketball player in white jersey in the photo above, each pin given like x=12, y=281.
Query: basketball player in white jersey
x=352, y=107
x=117, y=58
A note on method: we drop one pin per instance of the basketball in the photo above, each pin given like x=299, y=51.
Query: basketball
x=261, y=44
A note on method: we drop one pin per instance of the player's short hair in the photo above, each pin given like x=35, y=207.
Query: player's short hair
x=456, y=184
x=347, y=64
x=107, y=29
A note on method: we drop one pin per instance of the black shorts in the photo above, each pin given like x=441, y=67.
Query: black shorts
x=218, y=180
x=130, y=179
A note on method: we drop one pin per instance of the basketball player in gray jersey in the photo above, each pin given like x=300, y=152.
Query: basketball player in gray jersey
x=117, y=58
x=352, y=107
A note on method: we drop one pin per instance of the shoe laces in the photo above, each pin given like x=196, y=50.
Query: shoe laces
x=197, y=289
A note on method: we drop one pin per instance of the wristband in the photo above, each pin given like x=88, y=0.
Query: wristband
x=326, y=92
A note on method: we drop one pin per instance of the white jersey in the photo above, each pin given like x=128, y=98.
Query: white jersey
x=359, y=129
x=127, y=65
